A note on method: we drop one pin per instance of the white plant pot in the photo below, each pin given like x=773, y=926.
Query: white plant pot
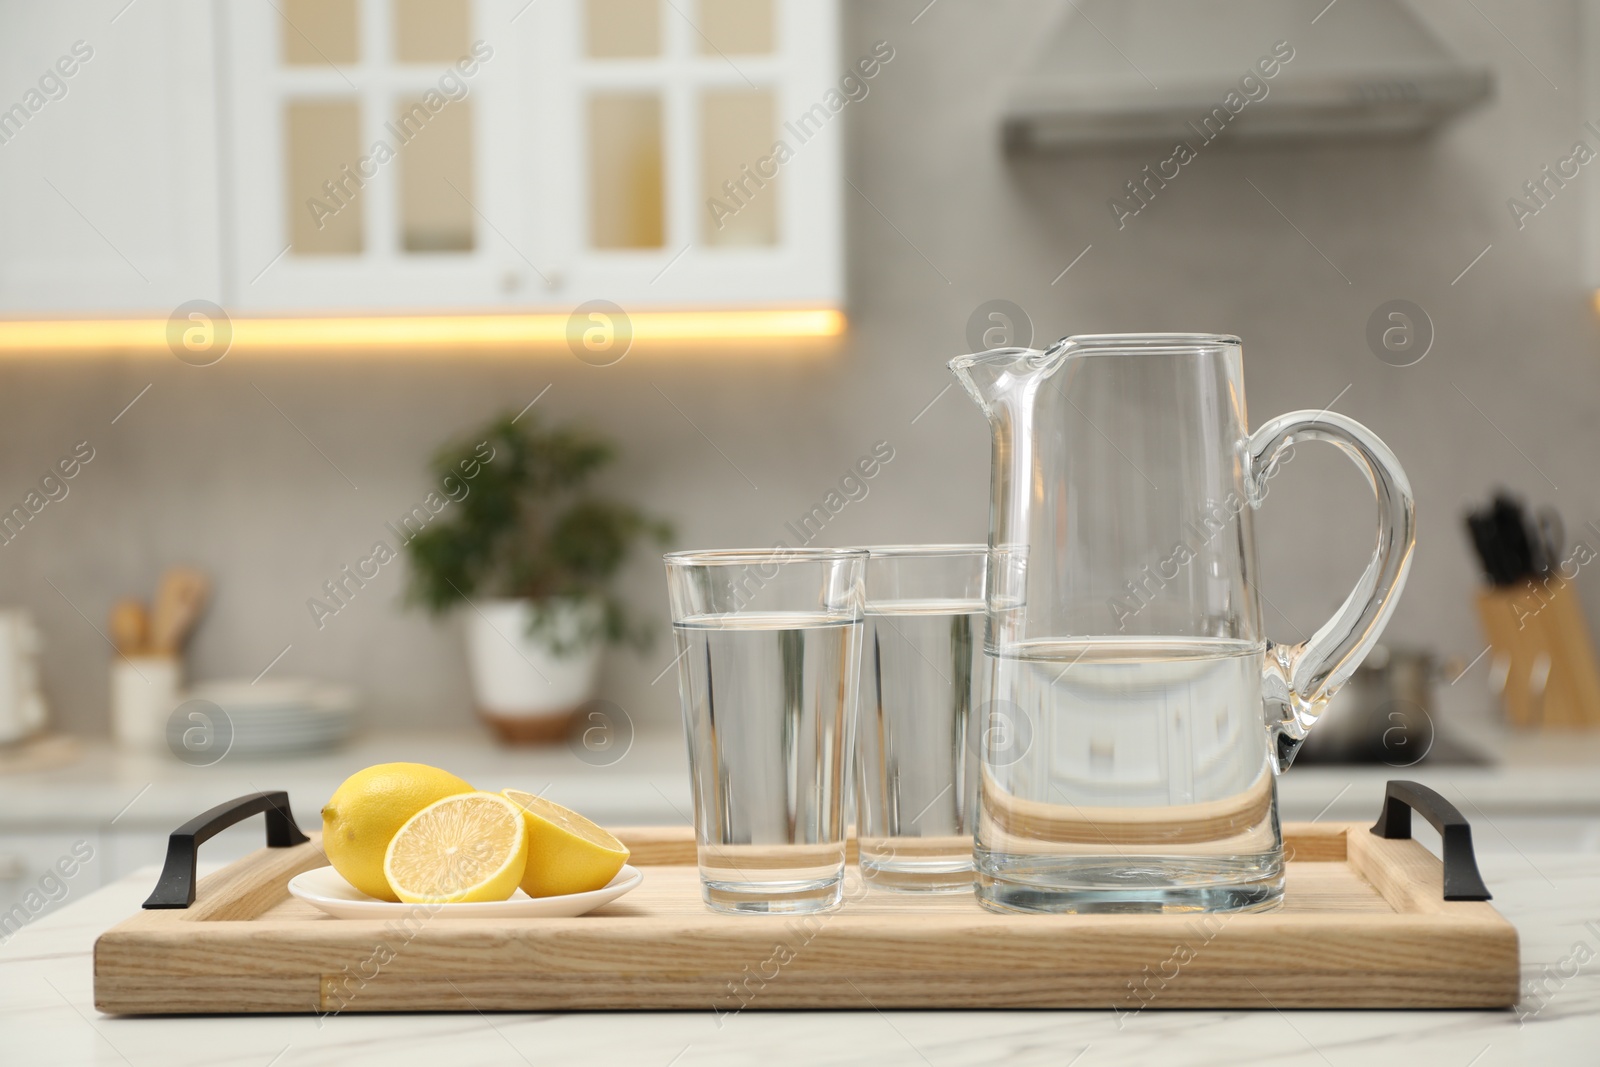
x=524, y=691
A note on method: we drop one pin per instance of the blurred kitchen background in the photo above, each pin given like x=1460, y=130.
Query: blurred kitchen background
x=584, y=158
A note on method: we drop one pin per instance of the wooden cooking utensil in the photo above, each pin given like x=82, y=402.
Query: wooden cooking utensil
x=130, y=627
x=180, y=600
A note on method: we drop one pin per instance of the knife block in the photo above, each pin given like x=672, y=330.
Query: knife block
x=1543, y=655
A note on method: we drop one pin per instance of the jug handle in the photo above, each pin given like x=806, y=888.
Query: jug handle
x=1300, y=678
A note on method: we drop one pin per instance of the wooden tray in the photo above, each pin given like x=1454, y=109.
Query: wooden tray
x=1364, y=925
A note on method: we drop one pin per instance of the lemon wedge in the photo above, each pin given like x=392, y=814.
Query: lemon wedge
x=566, y=852
x=463, y=849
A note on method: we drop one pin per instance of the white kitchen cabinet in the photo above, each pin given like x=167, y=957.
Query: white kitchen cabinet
x=108, y=158
x=501, y=154
x=650, y=153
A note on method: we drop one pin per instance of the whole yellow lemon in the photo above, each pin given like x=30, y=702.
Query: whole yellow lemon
x=369, y=808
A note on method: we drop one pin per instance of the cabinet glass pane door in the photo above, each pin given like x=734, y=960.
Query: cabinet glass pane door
x=436, y=178
x=625, y=206
x=374, y=172
x=320, y=32
x=736, y=27
x=323, y=138
x=737, y=169
x=431, y=31
x=682, y=103
x=622, y=29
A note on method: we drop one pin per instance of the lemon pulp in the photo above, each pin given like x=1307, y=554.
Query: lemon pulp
x=464, y=849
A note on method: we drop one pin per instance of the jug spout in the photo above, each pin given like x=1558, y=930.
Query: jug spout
x=993, y=376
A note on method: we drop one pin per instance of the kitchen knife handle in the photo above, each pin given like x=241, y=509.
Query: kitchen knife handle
x=1461, y=878
x=175, y=888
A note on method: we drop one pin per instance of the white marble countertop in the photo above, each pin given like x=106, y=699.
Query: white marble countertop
x=47, y=1015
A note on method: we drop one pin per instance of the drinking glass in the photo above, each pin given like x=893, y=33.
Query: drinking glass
x=769, y=661
x=923, y=675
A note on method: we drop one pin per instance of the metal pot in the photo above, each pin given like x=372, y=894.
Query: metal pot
x=1384, y=714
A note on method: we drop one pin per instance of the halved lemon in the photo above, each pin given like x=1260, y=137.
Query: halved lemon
x=463, y=849
x=566, y=852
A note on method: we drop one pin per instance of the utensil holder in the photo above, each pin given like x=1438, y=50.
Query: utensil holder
x=144, y=692
x=1543, y=656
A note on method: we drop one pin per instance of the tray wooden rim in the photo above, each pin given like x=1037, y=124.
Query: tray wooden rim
x=1427, y=953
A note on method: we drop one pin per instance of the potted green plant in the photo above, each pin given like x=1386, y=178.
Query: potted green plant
x=531, y=550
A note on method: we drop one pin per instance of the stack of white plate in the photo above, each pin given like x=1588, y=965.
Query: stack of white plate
x=275, y=718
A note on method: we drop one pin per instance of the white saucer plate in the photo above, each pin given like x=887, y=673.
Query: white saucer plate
x=324, y=889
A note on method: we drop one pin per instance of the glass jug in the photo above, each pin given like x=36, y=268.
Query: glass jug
x=1139, y=714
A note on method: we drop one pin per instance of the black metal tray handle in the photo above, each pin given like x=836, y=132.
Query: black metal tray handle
x=1461, y=878
x=175, y=888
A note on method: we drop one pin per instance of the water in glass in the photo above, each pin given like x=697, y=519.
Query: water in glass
x=924, y=673
x=768, y=715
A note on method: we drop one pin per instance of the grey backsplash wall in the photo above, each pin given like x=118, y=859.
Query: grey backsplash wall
x=203, y=469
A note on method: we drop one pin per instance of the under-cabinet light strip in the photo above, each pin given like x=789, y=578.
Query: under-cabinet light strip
x=513, y=333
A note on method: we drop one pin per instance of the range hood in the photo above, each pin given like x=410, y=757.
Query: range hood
x=1115, y=72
